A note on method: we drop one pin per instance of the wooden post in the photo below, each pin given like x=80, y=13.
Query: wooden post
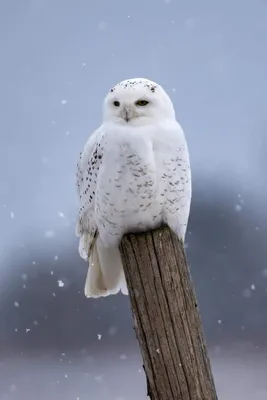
x=166, y=318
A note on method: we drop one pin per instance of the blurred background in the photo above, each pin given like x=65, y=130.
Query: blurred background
x=58, y=60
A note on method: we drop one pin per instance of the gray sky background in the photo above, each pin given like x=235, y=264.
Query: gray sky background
x=58, y=60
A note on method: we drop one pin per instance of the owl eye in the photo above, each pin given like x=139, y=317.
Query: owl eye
x=141, y=103
x=116, y=103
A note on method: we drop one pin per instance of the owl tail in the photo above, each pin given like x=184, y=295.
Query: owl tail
x=105, y=274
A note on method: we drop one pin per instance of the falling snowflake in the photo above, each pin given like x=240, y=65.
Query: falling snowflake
x=49, y=234
x=60, y=283
x=240, y=199
x=99, y=337
x=16, y=303
x=238, y=207
x=64, y=101
x=12, y=215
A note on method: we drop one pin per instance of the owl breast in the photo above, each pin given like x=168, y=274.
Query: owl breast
x=127, y=196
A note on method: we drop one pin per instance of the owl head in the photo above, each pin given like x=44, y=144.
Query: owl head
x=137, y=101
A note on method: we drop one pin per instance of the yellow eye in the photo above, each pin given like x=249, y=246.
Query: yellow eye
x=141, y=103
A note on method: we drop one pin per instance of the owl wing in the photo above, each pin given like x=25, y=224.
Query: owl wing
x=177, y=189
x=86, y=181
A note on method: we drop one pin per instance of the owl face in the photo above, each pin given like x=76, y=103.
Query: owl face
x=137, y=101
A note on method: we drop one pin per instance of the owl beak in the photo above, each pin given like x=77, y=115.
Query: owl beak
x=127, y=117
x=126, y=114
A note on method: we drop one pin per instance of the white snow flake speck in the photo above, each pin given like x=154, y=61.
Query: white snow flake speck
x=49, y=234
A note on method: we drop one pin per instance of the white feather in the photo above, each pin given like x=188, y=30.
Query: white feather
x=133, y=175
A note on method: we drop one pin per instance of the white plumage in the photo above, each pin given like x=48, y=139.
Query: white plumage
x=133, y=175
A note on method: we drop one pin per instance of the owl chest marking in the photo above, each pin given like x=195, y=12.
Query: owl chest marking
x=130, y=193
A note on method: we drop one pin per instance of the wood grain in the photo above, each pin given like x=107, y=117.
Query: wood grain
x=166, y=317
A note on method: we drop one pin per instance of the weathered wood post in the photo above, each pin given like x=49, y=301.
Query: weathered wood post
x=166, y=318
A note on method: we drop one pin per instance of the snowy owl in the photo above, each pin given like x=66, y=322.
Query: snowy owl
x=133, y=175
